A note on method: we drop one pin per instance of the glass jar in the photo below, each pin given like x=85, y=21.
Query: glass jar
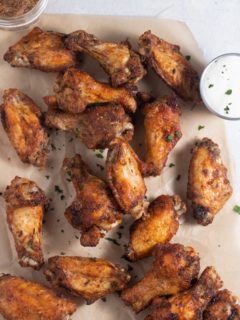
x=25, y=20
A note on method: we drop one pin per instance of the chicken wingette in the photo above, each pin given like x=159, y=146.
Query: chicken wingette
x=168, y=62
x=21, y=119
x=121, y=63
x=26, y=204
x=94, y=211
x=42, y=50
x=174, y=269
x=21, y=299
x=89, y=278
x=208, y=185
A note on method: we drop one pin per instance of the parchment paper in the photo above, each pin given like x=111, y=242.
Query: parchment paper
x=218, y=243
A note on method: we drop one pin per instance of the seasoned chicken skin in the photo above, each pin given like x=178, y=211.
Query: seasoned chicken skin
x=168, y=62
x=42, y=50
x=26, y=300
x=118, y=60
x=89, y=278
x=190, y=304
x=162, y=132
x=208, y=185
x=125, y=178
x=223, y=306
x=96, y=127
x=76, y=89
x=174, y=269
x=21, y=121
x=158, y=226
x=26, y=203
x=94, y=210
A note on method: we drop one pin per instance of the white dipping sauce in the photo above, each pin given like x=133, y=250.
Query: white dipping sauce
x=220, y=86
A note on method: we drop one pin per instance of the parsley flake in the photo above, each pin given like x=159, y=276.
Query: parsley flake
x=171, y=165
x=188, y=57
x=47, y=177
x=226, y=109
x=200, y=127
x=228, y=92
x=211, y=85
x=169, y=137
x=99, y=155
x=113, y=241
x=58, y=189
x=236, y=209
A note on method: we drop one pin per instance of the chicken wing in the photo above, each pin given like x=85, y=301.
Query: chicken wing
x=21, y=121
x=162, y=132
x=90, y=278
x=190, y=304
x=118, y=60
x=208, y=185
x=94, y=210
x=42, y=50
x=158, y=226
x=26, y=300
x=96, y=127
x=26, y=204
x=76, y=89
x=125, y=179
x=224, y=306
x=168, y=62
x=174, y=269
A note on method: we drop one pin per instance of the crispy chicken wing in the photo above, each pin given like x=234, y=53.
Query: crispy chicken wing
x=96, y=127
x=168, y=62
x=158, y=226
x=90, y=278
x=26, y=300
x=118, y=60
x=26, y=203
x=174, y=269
x=208, y=185
x=76, y=89
x=21, y=121
x=224, y=306
x=162, y=132
x=42, y=50
x=190, y=304
x=125, y=178
x=94, y=210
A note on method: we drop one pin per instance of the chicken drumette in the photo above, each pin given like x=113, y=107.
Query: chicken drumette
x=43, y=50
x=26, y=300
x=208, y=185
x=174, y=269
x=26, y=203
x=125, y=178
x=162, y=132
x=158, y=226
x=96, y=127
x=190, y=304
x=94, y=210
x=76, y=89
x=21, y=121
x=118, y=60
x=89, y=278
x=168, y=62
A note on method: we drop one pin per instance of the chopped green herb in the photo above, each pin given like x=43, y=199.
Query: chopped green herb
x=58, y=189
x=69, y=173
x=113, y=240
x=53, y=146
x=228, y=92
x=188, y=57
x=211, y=85
x=101, y=150
x=70, y=140
x=171, y=165
x=99, y=155
x=69, y=180
x=178, y=134
x=236, y=209
x=62, y=197
x=178, y=177
x=47, y=177
x=226, y=109
x=100, y=166
x=200, y=127
x=77, y=237
x=169, y=137
x=63, y=253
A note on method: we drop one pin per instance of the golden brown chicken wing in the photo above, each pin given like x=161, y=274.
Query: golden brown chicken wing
x=174, y=269
x=168, y=62
x=26, y=203
x=42, y=50
x=76, y=89
x=94, y=210
x=208, y=185
x=26, y=300
x=223, y=306
x=21, y=121
x=158, y=226
x=162, y=132
x=90, y=278
x=96, y=127
x=125, y=178
x=190, y=304
x=118, y=60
